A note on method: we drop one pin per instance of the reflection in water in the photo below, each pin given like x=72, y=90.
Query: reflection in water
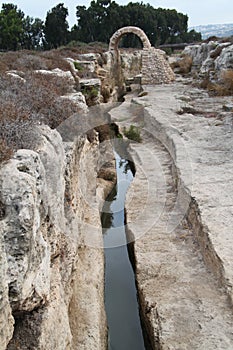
x=120, y=291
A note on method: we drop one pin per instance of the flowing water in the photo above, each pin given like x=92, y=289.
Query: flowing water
x=121, y=304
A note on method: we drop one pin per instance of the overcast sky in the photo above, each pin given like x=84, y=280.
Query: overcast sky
x=198, y=11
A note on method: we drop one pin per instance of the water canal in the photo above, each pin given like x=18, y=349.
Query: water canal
x=121, y=304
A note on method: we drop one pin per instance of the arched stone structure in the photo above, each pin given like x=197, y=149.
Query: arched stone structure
x=114, y=41
x=155, y=69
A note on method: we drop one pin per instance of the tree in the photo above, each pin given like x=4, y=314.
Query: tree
x=103, y=17
x=11, y=27
x=191, y=36
x=33, y=33
x=97, y=22
x=56, y=27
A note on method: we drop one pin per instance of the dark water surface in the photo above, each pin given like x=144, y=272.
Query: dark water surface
x=121, y=303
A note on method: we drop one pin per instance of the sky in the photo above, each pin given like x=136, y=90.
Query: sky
x=200, y=12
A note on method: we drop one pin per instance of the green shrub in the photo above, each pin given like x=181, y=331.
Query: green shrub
x=78, y=66
x=90, y=93
x=133, y=133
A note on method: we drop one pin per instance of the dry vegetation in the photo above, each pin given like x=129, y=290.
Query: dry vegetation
x=25, y=60
x=29, y=99
x=26, y=102
x=183, y=65
x=222, y=88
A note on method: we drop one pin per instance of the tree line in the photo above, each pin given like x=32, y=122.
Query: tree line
x=97, y=22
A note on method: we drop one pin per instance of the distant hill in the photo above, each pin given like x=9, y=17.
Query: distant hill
x=219, y=30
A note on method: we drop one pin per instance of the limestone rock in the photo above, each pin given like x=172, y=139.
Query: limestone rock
x=23, y=182
x=131, y=63
x=199, y=53
x=47, y=202
x=212, y=56
x=67, y=75
x=16, y=75
x=225, y=60
x=179, y=218
x=79, y=100
x=88, y=56
x=6, y=319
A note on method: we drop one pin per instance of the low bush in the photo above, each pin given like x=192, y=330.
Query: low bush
x=90, y=93
x=224, y=87
x=133, y=133
x=227, y=80
x=78, y=66
x=183, y=65
x=105, y=92
x=27, y=102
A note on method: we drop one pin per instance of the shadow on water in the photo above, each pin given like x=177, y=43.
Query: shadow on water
x=121, y=304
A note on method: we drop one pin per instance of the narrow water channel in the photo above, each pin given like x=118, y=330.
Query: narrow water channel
x=124, y=328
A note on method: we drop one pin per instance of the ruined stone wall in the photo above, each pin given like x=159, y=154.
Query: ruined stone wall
x=155, y=67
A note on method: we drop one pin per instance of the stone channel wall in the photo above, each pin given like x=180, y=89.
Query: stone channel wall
x=183, y=177
x=201, y=151
x=52, y=279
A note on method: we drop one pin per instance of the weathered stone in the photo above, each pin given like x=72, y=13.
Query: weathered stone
x=155, y=67
x=23, y=183
x=57, y=73
x=6, y=319
x=180, y=196
x=225, y=60
x=16, y=75
x=199, y=53
x=79, y=100
x=47, y=203
x=89, y=56
x=114, y=40
x=90, y=83
x=212, y=56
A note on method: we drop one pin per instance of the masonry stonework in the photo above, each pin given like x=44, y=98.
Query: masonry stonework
x=155, y=67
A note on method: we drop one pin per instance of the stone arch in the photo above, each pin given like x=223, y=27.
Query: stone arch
x=114, y=41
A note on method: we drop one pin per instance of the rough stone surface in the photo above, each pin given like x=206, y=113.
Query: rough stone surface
x=179, y=211
x=78, y=98
x=155, y=67
x=90, y=83
x=131, y=63
x=211, y=57
x=58, y=73
x=6, y=319
x=200, y=53
x=225, y=60
x=49, y=215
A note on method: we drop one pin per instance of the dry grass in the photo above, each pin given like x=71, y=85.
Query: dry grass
x=31, y=60
x=222, y=88
x=26, y=103
x=227, y=80
x=27, y=59
x=34, y=98
x=183, y=65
